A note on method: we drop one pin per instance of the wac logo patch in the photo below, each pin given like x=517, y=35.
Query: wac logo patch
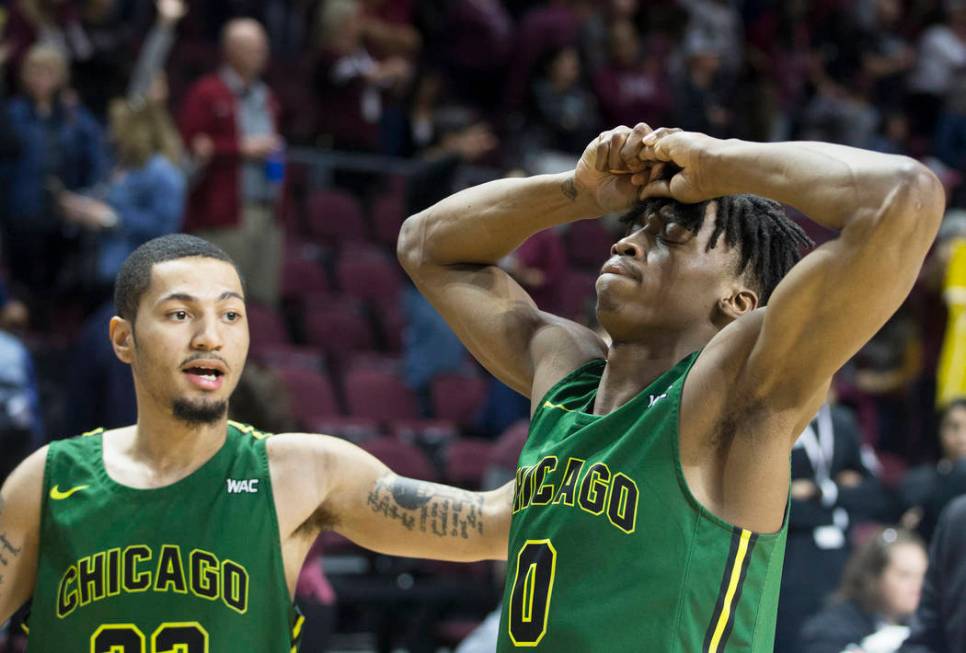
x=249, y=486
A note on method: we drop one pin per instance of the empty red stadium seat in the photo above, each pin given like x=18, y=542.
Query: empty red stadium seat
x=283, y=356
x=334, y=216
x=379, y=394
x=338, y=325
x=506, y=450
x=356, y=429
x=369, y=274
x=458, y=397
x=265, y=326
x=404, y=459
x=302, y=278
x=466, y=462
x=311, y=394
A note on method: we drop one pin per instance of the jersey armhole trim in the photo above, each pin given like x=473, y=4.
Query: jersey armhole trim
x=568, y=377
x=698, y=507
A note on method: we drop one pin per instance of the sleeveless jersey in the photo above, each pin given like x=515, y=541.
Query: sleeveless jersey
x=610, y=551
x=193, y=567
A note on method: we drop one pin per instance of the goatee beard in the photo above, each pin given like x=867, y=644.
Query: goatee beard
x=199, y=413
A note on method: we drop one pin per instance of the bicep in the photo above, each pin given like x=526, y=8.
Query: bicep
x=837, y=297
x=502, y=326
x=20, y=504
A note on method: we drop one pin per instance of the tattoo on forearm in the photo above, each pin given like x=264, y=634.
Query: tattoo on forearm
x=427, y=507
x=569, y=189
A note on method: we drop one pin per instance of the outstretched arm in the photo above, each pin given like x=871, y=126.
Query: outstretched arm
x=325, y=482
x=20, y=501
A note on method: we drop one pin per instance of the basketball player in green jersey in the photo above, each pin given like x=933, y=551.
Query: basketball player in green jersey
x=651, y=496
x=185, y=532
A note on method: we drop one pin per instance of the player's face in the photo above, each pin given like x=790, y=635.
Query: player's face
x=901, y=582
x=191, y=338
x=660, y=276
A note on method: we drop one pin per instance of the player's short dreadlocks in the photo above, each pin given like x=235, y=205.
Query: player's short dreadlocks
x=769, y=242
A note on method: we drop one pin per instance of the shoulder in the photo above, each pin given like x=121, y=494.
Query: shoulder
x=23, y=488
x=558, y=347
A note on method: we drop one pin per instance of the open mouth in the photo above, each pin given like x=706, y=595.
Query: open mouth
x=205, y=378
x=207, y=373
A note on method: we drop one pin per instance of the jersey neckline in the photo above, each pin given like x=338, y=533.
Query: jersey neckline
x=201, y=472
x=582, y=413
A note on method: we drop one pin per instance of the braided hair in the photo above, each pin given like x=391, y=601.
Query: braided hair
x=769, y=242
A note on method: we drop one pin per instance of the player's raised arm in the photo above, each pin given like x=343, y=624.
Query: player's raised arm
x=325, y=482
x=887, y=208
x=20, y=501
x=451, y=249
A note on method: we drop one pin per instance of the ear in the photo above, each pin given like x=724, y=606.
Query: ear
x=740, y=302
x=122, y=339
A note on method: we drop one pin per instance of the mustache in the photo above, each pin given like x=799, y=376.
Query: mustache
x=208, y=357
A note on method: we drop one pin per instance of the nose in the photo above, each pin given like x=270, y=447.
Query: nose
x=626, y=246
x=634, y=243
x=207, y=336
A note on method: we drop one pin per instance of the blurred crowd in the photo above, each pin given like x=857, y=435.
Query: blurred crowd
x=298, y=134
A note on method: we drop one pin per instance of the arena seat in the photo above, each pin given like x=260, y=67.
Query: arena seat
x=466, y=460
x=458, y=397
x=311, y=393
x=404, y=459
x=369, y=274
x=588, y=243
x=335, y=217
x=380, y=394
x=338, y=325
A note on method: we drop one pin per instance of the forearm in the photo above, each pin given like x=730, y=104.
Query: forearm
x=485, y=223
x=831, y=184
x=408, y=517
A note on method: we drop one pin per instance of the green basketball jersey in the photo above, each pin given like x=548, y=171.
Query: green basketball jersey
x=194, y=567
x=609, y=550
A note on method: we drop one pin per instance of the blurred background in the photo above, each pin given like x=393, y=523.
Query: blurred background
x=299, y=134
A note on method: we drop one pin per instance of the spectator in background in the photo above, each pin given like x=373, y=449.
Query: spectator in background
x=939, y=625
x=701, y=93
x=840, y=112
x=941, y=57
x=878, y=595
x=232, y=202
x=714, y=27
x=927, y=489
x=101, y=67
x=887, y=55
x=145, y=196
x=832, y=488
x=388, y=30
x=40, y=22
x=350, y=83
x=595, y=35
x=563, y=110
x=631, y=87
x=61, y=147
x=885, y=369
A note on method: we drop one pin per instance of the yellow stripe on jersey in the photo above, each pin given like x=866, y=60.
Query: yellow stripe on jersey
x=732, y=589
x=548, y=404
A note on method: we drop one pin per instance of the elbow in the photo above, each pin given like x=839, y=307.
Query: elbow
x=922, y=199
x=410, y=245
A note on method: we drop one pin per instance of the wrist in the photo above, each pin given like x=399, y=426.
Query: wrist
x=583, y=200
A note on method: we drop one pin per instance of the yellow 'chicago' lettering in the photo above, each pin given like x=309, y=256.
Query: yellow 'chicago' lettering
x=590, y=486
x=139, y=568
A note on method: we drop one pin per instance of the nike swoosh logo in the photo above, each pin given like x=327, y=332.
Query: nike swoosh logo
x=57, y=495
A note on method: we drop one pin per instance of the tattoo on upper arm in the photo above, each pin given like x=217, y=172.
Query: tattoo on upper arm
x=428, y=507
x=569, y=189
